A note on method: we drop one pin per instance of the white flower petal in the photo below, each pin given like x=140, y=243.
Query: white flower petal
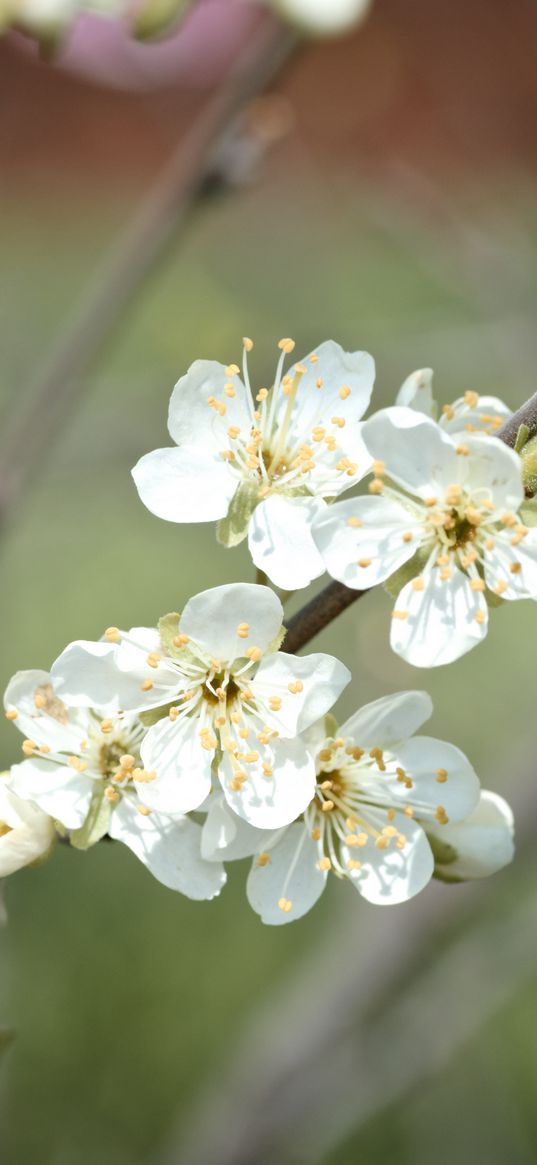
x=291, y=876
x=493, y=469
x=173, y=750
x=392, y=875
x=192, y=421
x=416, y=392
x=438, y=624
x=461, y=418
x=307, y=686
x=268, y=802
x=185, y=485
x=389, y=720
x=364, y=555
x=62, y=731
x=29, y=835
x=59, y=790
x=337, y=370
x=212, y=618
x=417, y=454
x=226, y=837
x=109, y=676
x=513, y=567
x=281, y=543
x=483, y=841
x=424, y=759
x=169, y=848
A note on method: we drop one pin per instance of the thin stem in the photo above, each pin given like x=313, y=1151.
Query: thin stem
x=525, y=415
x=33, y=427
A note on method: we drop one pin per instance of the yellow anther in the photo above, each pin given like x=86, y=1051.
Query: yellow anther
x=382, y=842
x=352, y=864
x=180, y=640
x=112, y=634
x=153, y=659
x=243, y=630
x=408, y=536
x=453, y=495
x=500, y=587
x=144, y=776
x=244, y=733
x=480, y=617
x=401, y=841
x=247, y=343
x=286, y=345
x=253, y=653
x=143, y=810
x=229, y=390
x=473, y=516
x=339, y=422
x=263, y=859
x=284, y=903
x=344, y=465
x=29, y=747
x=441, y=815
x=471, y=399
x=147, y=685
x=314, y=359
x=401, y=775
x=11, y=714
x=233, y=432
x=418, y=584
x=390, y=814
x=515, y=568
x=300, y=369
x=296, y=687
x=408, y=811
x=251, y=758
x=246, y=694
x=441, y=776
x=448, y=412
x=445, y=574
x=39, y=700
x=327, y=806
x=44, y=748
x=352, y=840
x=111, y=794
x=354, y=523
x=262, y=394
x=509, y=520
x=331, y=444
x=324, y=864
x=400, y=615
x=344, y=392
x=376, y=486
x=477, y=584
x=430, y=502
x=319, y=382
x=127, y=761
x=489, y=544
x=76, y=763
x=379, y=468
x=315, y=835
x=218, y=405
x=362, y=839
x=364, y=563
x=390, y=831
x=232, y=370
x=376, y=755
x=275, y=703
x=357, y=752
x=106, y=726
x=267, y=770
x=326, y=785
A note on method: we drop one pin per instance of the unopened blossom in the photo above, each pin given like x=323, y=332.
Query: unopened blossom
x=379, y=789
x=84, y=770
x=27, y=834
x=471, y=413
x=263, y=463
x=448, y=508
x=220, y=691
x=478, y=846
x=324, y=17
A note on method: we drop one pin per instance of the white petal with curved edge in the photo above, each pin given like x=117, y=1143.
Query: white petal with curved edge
x=281, y=543
x=378, y=543
x=338, y=370
x=58, y=789
x=213, y=617
x=291, y=876
x=307, y=686
x=30, y=833
x=268, y=802
x=493, y=470
x=173, y=750
x=389, y=876
x=88, y=674
x=192, y=421
x=514, y=567
x=61, y=731
x=416, y=453
x=486, y=417
x=385, y=722
x=416, y=392
x=322, y=18
x=439, y=623
x=424, y=759
x=186, y=484
x=226, y=837
x=169, y=848
x=484, y=841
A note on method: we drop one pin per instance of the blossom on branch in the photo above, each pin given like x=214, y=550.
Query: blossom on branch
x=442, y=518
x=385, y=800
x=223, y=699
x=84, y=771
x=264, y=468
x=471, y=413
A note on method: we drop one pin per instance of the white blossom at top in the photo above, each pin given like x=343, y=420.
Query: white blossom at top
x=447, y=507
x=264, y=467
x=324, y=17
x=223, y=693
x=380, y=790
x=27, y=834
x=471, y=413
x=84, y=771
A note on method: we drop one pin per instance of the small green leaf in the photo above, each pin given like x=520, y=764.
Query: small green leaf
x=528, y=457
x=521, y=438
x=409, y=570
x=96, y=823
x=331, y=725
x=528, y=512
x=232, y=529
x=168, y=627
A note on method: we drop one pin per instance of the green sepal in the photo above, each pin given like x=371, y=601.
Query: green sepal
x=96, y=823
x=528, y=457
x=331, y=726
x=441, y=875
x=528, y=512
x=233, y=529
x=277, y=641
x=168, y=628
x=154, y=18
x=521, y=438
x=409, y=570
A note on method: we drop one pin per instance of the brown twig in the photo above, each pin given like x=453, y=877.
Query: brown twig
x=525, y=415
x=326, y=606
x=33, y=427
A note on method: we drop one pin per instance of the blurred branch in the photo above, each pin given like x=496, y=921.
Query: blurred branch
x=371, y=1011
x=33, y=427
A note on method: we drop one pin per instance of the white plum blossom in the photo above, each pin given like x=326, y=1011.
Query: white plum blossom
x=471, y=413
x=447, y=507
x=27, y=834
x=223, y=697
x=264, y=468
x=480, y=845
x=379, y=790
x=324, y=17
x=85, y=771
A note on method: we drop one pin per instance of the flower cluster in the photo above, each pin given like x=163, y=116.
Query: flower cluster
x=200, y=741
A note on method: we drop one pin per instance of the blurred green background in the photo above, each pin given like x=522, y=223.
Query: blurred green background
x=130, y=1001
